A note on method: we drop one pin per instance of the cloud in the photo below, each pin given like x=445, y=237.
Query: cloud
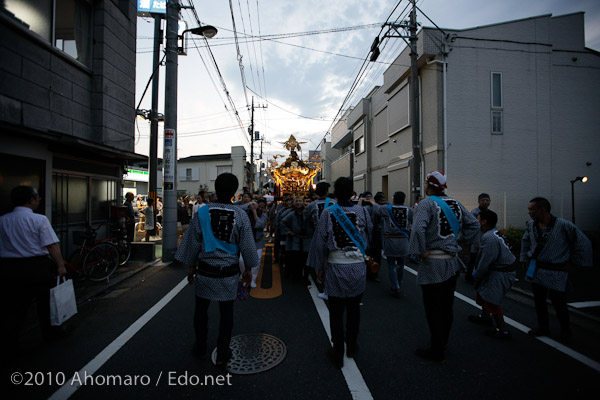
x=303, y=81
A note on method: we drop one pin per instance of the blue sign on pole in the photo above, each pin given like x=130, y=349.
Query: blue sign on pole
x=152, y=6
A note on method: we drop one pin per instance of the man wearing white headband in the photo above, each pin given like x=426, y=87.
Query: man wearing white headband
x=438, y=221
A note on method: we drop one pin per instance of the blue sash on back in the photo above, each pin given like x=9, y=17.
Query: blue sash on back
x=348, y=227
x=452, y=220
x=211, y=243
x=396, y=224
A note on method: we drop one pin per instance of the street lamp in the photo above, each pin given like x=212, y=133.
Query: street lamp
x=583, y=179
x=208, y=31
x=146, y=114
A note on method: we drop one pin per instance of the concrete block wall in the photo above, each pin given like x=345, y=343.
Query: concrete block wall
x=114, y=73
x=47, y=90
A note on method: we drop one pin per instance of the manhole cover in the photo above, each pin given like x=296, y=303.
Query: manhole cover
x=253, y=353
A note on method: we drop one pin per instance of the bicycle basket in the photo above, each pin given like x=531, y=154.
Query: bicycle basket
x=79, y=237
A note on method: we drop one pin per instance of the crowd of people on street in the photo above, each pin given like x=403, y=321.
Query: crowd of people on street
x=336, y=239
x=341, y=235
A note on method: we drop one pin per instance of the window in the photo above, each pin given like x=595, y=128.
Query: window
x=103, y=194
x=223, y=169
x=188, y=174
x=359, y=145
x=496, y=103
x=70, y=30
x=17, y=170
x=496, y=121
x=399, y=109
x=380, y=127
x=70, y=199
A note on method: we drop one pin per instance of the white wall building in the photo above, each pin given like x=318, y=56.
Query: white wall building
x=200, y=172
x=510, y=109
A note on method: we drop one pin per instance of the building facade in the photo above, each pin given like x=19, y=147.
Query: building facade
x=342, y=160
x=67, y=105
x=197, y=173
x=509, y=109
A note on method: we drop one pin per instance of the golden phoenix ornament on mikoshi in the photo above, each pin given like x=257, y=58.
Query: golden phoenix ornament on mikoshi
x=294, y=176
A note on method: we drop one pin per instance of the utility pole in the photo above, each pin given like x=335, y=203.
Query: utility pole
x=153, y=157
x=414, y=85
x=260, y=170
x=411, y=27
x=170, y=136
x=251, y=132
x=252, y=138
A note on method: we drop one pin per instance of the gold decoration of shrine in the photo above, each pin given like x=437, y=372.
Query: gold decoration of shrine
x=293, y=176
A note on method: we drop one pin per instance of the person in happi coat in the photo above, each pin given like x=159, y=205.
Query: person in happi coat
x=297, y=243
x=438, y=222
x=258, y=219
x=483, y=201
x=494, y=274
x=340, y=242
x=211, y=248
x=283, y=209
x=554, y=244
x=396, y=224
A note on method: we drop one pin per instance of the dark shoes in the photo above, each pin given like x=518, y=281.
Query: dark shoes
x=397, y=293
x=337, y=357
x=199, y=352
x=351, y=350
x=223, y=359
x=481, y=320
x=498, y=334
x=55, y=333
x=431, y=355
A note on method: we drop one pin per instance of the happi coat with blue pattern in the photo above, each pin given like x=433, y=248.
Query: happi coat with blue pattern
x=341, y=279
x=431, y=231
x=563, y=242
x=231, y=224
x=395, y=244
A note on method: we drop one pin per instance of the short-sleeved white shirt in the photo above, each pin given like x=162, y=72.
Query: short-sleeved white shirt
x=25, y=234
x=196, y=207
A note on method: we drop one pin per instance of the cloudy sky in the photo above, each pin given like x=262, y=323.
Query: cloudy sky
x=300, y=59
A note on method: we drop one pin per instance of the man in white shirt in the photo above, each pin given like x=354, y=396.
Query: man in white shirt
x=30, y=256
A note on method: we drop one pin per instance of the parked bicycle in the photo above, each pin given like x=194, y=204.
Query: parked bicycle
x=118, y=237
x=93, y=260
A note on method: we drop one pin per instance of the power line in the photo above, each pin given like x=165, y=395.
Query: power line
x=254, y=47
x=262, y=61
x=283, y=109
x=221, y=79
x=227, y=41
x=239, y=53
x=246, y=43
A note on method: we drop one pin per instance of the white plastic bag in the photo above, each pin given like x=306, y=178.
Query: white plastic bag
x=62, y=302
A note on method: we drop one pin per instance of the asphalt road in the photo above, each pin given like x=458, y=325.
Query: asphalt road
x=116, y=357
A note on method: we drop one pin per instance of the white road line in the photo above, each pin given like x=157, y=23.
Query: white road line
x=544, y=339
x=356, y=383
x=90, y=368
x=585, y=304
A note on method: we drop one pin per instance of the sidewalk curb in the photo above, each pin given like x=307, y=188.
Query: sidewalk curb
x=116, y=280
x=571, y=309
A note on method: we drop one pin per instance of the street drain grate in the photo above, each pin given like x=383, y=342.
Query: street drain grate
x=253, y=353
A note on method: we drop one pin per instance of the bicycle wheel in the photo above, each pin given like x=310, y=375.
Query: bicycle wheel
x=101, y=261
x=124, y=251
x=73, y=270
